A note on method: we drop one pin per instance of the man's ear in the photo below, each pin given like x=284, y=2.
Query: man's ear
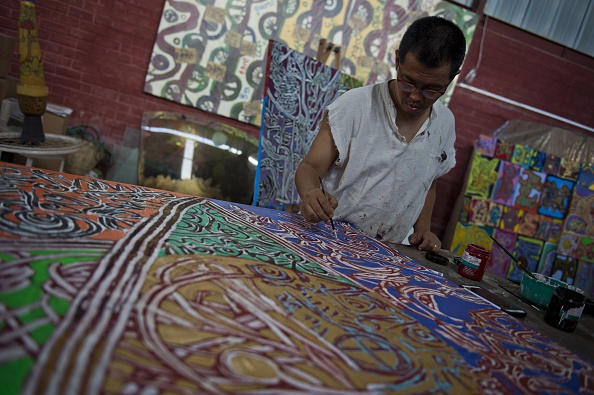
x=397, y=58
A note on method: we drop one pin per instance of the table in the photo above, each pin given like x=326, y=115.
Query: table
x=581, y=341
x=115, y=288
x=58, y=147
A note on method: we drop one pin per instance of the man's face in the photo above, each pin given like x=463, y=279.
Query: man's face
x=412, y=73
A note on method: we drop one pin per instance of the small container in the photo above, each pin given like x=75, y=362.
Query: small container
x=565, y=308
x=540, y=288
x=474, y=262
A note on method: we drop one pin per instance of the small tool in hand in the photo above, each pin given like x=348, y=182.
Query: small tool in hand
x=520, y=265
x=331, y=221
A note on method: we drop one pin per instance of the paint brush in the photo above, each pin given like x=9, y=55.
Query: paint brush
x=520, y=297
x=331, y=221
x=513, y=258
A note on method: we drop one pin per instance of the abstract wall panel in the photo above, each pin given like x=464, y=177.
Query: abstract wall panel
x=540, y=207
x=211, y=54
x=555, y=197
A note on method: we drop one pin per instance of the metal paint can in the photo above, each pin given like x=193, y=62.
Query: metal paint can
x=474, y=262
x=565, y=308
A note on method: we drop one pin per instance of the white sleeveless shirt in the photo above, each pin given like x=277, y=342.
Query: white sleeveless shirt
x=379, y=179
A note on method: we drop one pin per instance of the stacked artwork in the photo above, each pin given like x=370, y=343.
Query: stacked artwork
x=538, y=206
x=211, y=54
x=298, y=89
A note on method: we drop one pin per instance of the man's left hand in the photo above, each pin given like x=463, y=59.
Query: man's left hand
x=425, y=241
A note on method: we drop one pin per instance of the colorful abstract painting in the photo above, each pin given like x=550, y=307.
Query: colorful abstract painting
x=507, y=185
x=298, y=90
x=586, y=176
x=569, y=169
x=511, y=219
x=115, y=288
x=564, y=268
x=504, y=150
x=547, y=259
x=479, y=211
x=555, y=197
x=580, y=215
x=527, y=251
x=531, y=184
x=576, y=245
x=552, y=164
x=538, y=160
x=470, y=233
x=499, y=260
x=486, y=145
x=211, y=55
x=482, y=176
x=522, y=156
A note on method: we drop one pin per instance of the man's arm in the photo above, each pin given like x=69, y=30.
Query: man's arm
x=422, y=236
x=315, y=206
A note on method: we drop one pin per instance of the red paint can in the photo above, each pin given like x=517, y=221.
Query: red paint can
x=474, y=262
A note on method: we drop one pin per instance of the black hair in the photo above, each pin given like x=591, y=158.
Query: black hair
x=434, y=41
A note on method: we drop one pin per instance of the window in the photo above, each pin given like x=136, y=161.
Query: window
x=567, y=22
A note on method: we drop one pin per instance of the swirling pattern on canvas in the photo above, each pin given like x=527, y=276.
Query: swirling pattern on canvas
x=211, y=55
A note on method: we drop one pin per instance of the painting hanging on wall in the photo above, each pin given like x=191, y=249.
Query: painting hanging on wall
x=538, y=206
x=297, y=91
x=212, y=55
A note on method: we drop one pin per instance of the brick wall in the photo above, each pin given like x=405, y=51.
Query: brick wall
x=96, y=53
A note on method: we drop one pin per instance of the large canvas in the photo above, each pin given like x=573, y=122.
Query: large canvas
x=212, y=55
x=298, y=89
x=114, y=288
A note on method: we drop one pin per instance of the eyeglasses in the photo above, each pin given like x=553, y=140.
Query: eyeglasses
x=410, y=88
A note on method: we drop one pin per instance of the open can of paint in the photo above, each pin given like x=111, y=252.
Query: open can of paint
x=565, y=308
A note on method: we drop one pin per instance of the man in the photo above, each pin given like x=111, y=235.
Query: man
x=381, y=147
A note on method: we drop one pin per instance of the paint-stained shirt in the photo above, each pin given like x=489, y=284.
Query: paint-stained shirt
x=380, y=180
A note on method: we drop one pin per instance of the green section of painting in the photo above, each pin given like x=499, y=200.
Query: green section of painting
x=202, y=227
x=25, y=305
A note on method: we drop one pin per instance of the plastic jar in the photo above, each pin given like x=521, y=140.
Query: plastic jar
x=565, y=309
x=474, y=262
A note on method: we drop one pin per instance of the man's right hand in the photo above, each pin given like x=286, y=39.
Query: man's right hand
x=316, y=207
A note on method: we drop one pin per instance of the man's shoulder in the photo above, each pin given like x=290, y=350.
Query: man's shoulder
x=361, y=90
x=442, y=112
x=358, y=96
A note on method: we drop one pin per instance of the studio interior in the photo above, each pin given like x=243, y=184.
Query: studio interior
x=274, y=197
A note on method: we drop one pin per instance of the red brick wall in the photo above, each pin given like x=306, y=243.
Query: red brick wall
x=95, y=57
x=96, y=53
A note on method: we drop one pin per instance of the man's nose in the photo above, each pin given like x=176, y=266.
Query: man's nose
x=417, y=95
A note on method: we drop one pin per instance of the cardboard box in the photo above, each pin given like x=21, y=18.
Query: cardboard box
x=54, y=124
x=7, y=45
x=11, y=117
x=8, y=87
